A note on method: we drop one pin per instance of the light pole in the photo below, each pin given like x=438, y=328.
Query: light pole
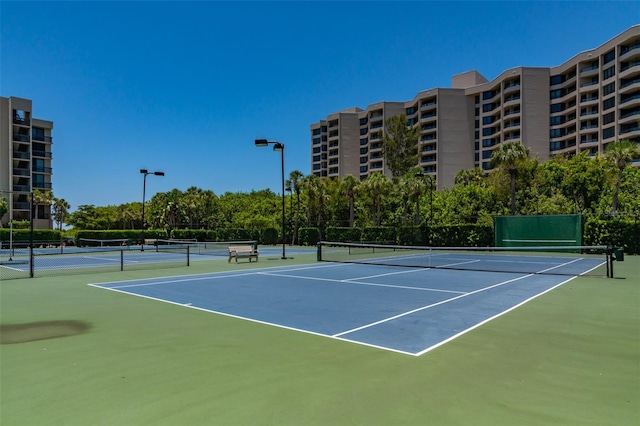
x=146, y=172
x=277, y=146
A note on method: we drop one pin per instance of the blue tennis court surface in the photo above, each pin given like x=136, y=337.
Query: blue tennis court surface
x=406, y=310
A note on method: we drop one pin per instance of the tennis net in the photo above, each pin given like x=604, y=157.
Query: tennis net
x=94, y=242
x=573, y=260
x=210, y=248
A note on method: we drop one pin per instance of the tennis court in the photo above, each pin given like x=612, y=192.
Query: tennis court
x=400, y=309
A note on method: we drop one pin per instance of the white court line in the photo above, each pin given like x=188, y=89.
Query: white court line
x=226, y=314
x=430, y=306
x=490, y=319
x=561, y=265
x=350, y=281
x=100, y=258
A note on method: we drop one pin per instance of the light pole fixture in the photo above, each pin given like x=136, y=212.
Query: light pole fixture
x=278, y=146
x=146, y=172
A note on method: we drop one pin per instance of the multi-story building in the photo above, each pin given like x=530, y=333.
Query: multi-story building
x=582, y=105
x=25, y=160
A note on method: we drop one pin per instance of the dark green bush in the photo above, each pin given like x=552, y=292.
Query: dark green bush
x=467, y=235
x=343, y=234
x=412, y=236
x=615, y=232
x=379, y=234
x=309, y=236
x=269, y=236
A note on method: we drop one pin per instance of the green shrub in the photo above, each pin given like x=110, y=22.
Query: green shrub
x=379, y=234
x=269, y=236
x=53, y=236
x=343, y=234
x=309, y=236
x=614, y=232
x=466, y=235
x=412, y=236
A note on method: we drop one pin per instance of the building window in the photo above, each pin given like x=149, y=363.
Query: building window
x=364, y=121
x=316, y=158
x=608, y=103
x=363, y=169
x=608, y=57
x=609, y=72
x=363, y=160
x=609, y=132
x=316, y=132
x=608, y=118
x=364, y=141
x=364, y=150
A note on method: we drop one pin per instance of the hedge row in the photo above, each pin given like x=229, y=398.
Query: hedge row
x=266, y=236
x=39, y=235
x=618, y=232
x=615, y=232
x=452, y=235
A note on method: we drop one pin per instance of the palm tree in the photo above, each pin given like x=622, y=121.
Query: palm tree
x=311, y=185
x=621, y=153
x=60, y=210
x=507, y=156
x=41, y=198
x=377, y=186
x=349, y=186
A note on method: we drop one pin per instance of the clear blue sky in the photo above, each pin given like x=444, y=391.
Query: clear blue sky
x=186, y=87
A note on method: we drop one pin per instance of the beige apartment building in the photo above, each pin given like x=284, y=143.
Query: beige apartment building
x=582, y=105
x=25, y=160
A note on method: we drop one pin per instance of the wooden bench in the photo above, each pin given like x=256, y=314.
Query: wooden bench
x=239, y=251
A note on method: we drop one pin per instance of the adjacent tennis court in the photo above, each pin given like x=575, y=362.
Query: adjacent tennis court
x=70, y=258
x=406, y=310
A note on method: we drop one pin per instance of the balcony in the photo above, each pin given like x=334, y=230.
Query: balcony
x=43, y=154
x=630, y=115
x=42, y=185
x=629, y=128
x=21, y=188
x=21, y=138
x=21, y=155
x=21, y=121
x=588, y=141
x=511, y=87
x=588, y=99
x=628, y=51
x=589, y=71
x=21, y=172
x=627, y=68
x=588, y=84
x=428, y=105
x=21, y=205
x=41, y=169
x=630, y=98
x=42, y=138
x=627, y=85
x=512, y=99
